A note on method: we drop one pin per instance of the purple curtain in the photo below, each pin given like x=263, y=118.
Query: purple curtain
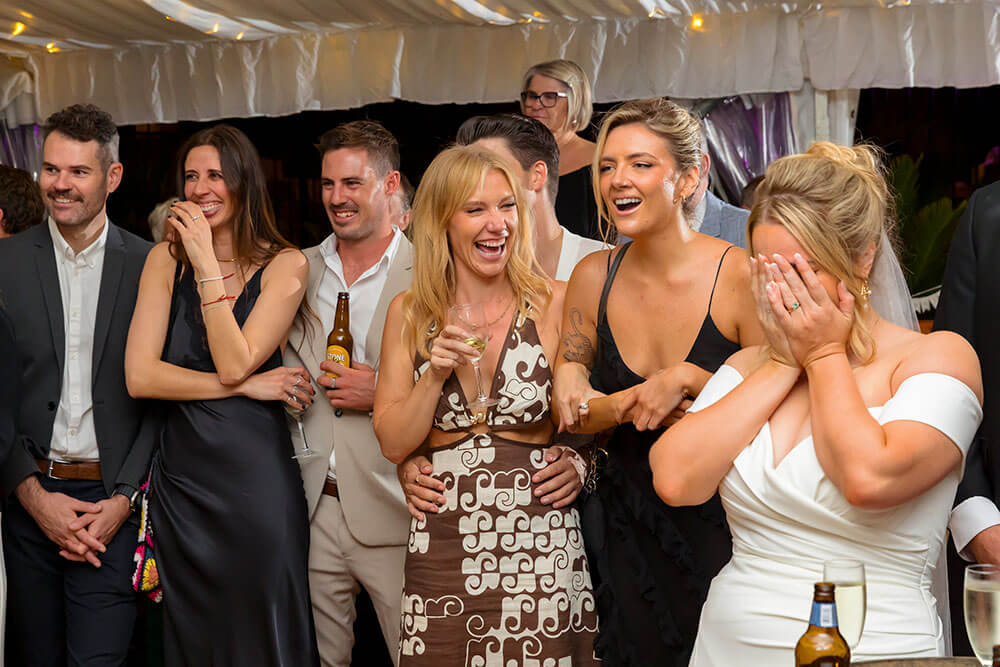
x=21, y=147
x=745, y=134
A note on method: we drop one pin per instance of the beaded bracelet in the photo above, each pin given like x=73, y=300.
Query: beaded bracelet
x=208, y=280
x=219, y=300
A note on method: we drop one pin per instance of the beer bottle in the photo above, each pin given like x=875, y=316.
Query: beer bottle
x=340, y=343
x=822, y=644
x=996, y=655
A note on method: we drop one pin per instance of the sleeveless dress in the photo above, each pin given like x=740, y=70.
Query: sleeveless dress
x=653, y=563
x=229, y=515
x=576, y=208
x=495, y=577
x=787, y=520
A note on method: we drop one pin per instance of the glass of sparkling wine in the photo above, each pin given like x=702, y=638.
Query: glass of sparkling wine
x=982, y=609
x=296, y=414
x=471, y=317
x=850, y=595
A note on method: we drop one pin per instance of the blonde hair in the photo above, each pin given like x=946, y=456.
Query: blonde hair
x=835, y=201
x=675, y=124
x=454, y=176
x=571, y=75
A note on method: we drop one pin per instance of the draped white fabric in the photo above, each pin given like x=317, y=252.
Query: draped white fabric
x=324, y=54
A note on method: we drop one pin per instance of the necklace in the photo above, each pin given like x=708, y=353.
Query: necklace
x=500, y=316
x=228, y=261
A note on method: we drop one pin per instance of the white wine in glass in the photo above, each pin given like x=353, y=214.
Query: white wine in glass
x=982, y=609
x=851, y=596
x=471, y=318
x=296, y=415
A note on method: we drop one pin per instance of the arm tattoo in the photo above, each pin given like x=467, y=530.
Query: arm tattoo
x=578, y=347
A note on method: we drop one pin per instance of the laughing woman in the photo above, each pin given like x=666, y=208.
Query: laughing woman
x=228, y=511
x=648, y=323
x=494, y=575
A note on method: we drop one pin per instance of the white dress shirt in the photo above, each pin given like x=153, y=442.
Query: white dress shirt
x=968, y=519
x=365, y=293
x=73, y=434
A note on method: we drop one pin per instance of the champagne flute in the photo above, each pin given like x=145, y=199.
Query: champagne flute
x=296, y=412
x=982, y=609
x=850, y=595
x=471, y=317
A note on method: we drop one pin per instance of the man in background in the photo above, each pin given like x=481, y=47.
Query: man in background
x=21, y=204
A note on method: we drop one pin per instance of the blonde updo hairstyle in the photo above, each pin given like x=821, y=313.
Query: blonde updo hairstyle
x=676, y=125
x=835, y=201
x=450, y=180
x=580, y=97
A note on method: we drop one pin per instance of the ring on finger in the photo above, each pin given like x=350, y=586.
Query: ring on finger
x=794, y=306
x=195, y=217
x=333, y=382
x=298, y=380
x=584, y=406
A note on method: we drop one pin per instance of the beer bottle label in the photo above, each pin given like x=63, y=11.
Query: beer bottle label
x=338, y=354
x=824, y=615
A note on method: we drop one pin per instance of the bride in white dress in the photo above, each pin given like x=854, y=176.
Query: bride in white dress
x=844, y=438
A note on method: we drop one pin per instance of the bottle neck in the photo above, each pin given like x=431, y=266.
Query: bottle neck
x=342, y=318
x=824, y=614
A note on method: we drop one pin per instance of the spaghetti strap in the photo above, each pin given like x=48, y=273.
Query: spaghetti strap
x=610, y=278
x=718, y=270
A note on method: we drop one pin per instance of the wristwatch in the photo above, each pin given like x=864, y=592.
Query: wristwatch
x=131, y=494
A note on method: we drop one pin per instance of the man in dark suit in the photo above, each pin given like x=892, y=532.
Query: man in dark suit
x=82, y=444
x=970, y=306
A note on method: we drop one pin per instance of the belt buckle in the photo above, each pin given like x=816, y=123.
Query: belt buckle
x=49, y=472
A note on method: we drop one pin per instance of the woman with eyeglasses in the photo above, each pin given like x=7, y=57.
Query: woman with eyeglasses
x=557, y=93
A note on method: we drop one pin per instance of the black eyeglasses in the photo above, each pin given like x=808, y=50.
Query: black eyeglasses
x=547, y=100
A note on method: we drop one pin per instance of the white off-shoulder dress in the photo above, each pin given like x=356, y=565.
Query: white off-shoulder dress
x=787, y=520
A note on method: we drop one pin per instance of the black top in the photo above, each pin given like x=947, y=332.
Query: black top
x=652, y=563
x=576, y=208
x=709, y=350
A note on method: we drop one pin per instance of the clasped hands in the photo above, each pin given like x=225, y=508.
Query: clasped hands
x=801, y=322
x=80, y=529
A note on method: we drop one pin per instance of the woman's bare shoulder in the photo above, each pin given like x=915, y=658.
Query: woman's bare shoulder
x=942, y=352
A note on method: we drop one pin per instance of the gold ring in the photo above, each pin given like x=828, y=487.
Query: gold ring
x=195, y=217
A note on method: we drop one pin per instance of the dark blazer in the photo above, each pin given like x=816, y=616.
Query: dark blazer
x=29, y=285
x=970, y=305
x=10, y=381
x=724, y=221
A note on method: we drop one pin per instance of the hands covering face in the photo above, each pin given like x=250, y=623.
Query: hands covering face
x=801, y=321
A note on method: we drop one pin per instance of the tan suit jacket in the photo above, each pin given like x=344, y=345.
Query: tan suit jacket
x=370, y=494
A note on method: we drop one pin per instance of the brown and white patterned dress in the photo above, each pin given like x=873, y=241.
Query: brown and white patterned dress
x=495, y=578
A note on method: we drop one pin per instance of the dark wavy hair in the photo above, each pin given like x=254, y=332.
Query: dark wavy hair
x=20, y=200
x=528, y=140
x=86, y=122
x=378, y=142
x=255, y=231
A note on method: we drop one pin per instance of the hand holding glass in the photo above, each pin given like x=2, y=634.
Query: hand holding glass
x=295, y=411
x=850, y=595
x=471, y=318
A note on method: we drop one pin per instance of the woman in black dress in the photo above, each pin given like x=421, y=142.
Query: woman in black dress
x=646, y=324
x=557, y=94
x=227, y=505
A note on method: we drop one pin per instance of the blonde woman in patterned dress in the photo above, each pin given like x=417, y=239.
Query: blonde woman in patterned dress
x=494, y=576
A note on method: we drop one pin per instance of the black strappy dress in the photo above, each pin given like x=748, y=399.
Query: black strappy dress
x=229, y=516
x=652, y=563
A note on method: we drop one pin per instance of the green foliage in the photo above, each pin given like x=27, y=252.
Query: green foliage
x=925, y=228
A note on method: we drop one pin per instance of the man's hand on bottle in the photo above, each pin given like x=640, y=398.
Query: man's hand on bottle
x=352, y=388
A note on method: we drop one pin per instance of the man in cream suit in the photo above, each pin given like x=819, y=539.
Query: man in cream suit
x=359, y=521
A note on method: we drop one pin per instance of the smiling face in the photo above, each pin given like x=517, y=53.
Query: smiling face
x=74, y=183
x=356, y=199
x=770, y=238
x=481, y=232
x=554, y=117
x=205, y=185
x=639, y=179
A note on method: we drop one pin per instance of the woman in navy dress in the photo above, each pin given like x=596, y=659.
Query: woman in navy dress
x=227, y=505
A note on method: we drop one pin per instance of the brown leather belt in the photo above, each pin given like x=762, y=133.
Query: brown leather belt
x=85, y=470
x=330, y=488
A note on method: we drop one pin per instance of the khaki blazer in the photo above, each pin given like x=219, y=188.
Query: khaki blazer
x=370, y=494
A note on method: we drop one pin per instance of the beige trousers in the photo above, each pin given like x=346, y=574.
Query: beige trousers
x=338, y=566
